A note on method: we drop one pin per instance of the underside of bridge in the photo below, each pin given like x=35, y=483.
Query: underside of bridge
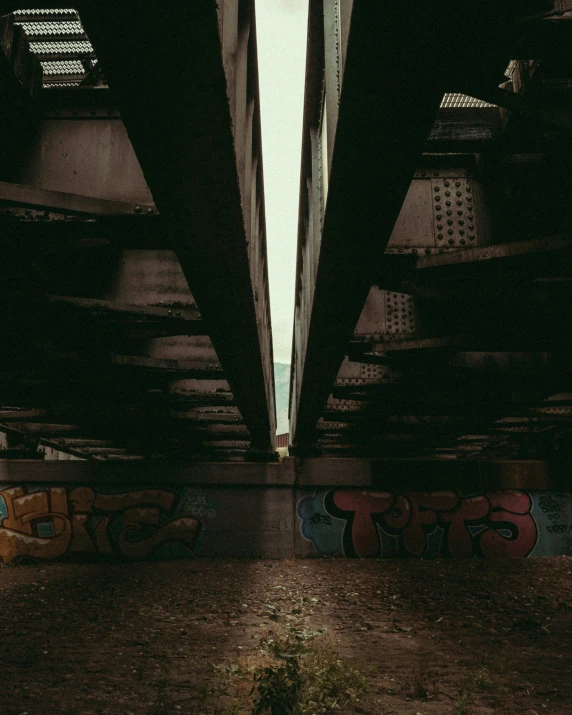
x=434, y=250
x=431, y=385
x=135, y=311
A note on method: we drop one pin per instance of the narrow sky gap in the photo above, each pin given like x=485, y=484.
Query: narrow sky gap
x=281, y=35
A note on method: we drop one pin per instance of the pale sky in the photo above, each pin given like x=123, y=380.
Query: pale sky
x=281, y=34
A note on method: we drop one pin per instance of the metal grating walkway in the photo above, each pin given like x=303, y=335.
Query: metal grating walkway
x=59, y=41
x=464, y=101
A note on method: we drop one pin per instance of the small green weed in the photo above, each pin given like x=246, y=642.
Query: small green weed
x=290, y=674
x=276, y=688
x=330, y=683
x=481, y=678
x=496, y=672
x=462, y=706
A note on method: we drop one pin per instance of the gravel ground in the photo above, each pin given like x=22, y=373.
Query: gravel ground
x=430, y=637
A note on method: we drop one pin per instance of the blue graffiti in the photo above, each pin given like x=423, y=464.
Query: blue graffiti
x=553, y=514
x=319, y=527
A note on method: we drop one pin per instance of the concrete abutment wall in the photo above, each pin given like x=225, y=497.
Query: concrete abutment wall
x=298, y=508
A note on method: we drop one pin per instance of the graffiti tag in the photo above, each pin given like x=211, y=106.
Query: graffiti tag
x=49, y=523
x=491, y=524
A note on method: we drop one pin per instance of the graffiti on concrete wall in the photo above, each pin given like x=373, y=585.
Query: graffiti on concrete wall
x=50, y=522
x=358, y=523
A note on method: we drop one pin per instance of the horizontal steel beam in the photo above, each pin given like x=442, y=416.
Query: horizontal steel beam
x=43, y=428
x=359, y=352
x=172, y=321
x=48, y=200
x=63, y=232
x=465, y=129
x=166, y=365
x=502, y=252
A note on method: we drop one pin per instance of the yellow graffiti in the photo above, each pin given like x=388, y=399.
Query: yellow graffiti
x=49, y=523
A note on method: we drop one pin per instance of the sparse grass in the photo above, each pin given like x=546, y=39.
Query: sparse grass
x=331, y=684
x=462, y=706
x=496, y=672
x=383, y=709
x=424, y=683
x=482, y=679
x=479, y=679
x=289, y=674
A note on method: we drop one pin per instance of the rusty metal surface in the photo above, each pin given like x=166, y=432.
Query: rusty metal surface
x=387, y=315
x=91, y=158
x=414, y=227
x=443, y=210
x=453, y=211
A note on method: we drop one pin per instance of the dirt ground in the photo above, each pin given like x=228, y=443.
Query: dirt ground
x=430, y=637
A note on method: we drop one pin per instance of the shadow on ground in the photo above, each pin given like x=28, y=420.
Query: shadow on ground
x=432, y=637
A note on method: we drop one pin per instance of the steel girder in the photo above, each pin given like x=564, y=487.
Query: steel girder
x=164, y=63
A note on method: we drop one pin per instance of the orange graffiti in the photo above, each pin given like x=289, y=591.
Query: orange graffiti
x=49, y=523
x=19, y=530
